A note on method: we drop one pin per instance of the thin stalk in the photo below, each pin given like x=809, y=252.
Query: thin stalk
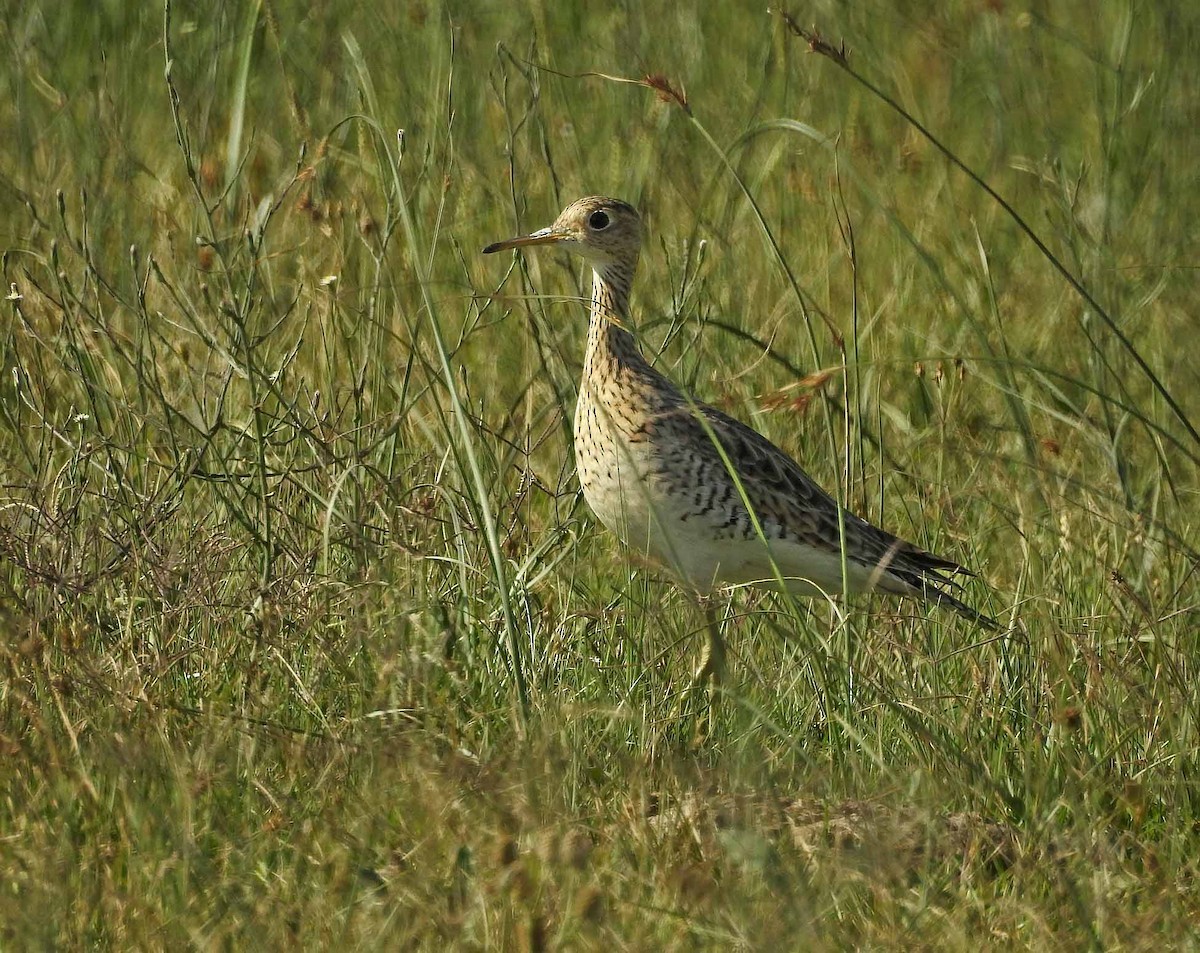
x=459, y=413
x=819, y=45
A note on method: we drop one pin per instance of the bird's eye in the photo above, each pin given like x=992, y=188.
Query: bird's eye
x=598, y=220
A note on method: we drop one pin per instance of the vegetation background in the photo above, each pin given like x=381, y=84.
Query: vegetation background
x=307, y=636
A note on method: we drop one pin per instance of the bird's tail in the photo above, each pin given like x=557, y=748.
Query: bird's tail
x=942, y=598
x=931, y=576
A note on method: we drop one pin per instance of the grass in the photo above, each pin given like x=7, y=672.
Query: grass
x=307, y=634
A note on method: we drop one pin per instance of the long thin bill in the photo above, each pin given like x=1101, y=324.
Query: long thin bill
x=543, y=236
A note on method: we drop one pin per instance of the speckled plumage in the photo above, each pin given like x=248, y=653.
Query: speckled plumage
x=672, y=477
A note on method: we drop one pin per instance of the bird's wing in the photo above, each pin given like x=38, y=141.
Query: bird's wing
x=790, y=505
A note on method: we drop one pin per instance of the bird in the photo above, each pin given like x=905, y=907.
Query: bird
x=696, y=490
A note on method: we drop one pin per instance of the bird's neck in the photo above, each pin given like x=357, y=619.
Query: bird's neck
x=611, y=347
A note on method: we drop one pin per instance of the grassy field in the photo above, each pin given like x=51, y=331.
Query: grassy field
x=307, y=635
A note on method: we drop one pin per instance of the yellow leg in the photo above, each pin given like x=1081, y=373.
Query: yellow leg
x=708, y=677
x=711, y=669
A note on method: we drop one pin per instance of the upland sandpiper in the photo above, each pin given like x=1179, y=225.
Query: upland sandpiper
x=688, y=485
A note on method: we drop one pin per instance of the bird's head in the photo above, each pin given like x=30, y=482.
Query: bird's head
x=606, y=232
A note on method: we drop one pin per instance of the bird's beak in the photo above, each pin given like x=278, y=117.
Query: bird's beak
x=543, y=236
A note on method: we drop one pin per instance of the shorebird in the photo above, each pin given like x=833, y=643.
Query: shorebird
x=713, y=500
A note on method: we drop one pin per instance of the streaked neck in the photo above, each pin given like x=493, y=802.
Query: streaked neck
x=610, y=343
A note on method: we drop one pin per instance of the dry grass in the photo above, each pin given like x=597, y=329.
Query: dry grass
x=307, y=635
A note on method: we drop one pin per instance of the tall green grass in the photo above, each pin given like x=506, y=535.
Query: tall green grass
x=308, y=634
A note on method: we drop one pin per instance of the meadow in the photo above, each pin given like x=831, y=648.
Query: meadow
x=307, y=635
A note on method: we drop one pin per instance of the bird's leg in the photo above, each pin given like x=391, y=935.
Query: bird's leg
x=711, y=669
x=709, y=674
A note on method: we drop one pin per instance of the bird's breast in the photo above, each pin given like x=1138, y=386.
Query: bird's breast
x=651, y=492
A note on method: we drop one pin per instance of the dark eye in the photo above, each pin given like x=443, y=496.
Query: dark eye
x=598, y=220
